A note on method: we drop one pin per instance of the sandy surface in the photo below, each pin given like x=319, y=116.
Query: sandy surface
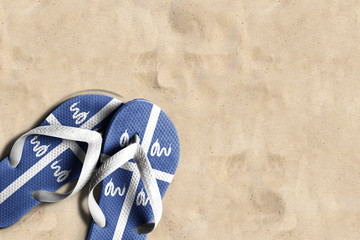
x=265, y=96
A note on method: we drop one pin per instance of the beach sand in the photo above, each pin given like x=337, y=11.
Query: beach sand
x=265, y=96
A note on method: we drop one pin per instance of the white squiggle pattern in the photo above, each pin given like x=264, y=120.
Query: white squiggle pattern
x=80, y=117
x=39, y=150
x=140, y=199
x=158, y=151
x=112, y=191
x=60, y=175
x=124, y=139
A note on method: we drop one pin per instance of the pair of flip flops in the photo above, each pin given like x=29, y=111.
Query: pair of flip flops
x=139, y=155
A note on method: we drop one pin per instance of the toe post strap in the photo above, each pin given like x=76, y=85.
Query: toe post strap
x=133, y=151
x=93, y=139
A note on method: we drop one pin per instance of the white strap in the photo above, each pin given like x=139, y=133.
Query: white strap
x=93, y=139
x=136, y=152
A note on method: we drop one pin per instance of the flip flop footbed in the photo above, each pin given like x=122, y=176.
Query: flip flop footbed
x=48, y=163
x=123, y=198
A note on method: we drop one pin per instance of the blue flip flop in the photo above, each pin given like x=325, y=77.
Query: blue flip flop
x=47, y=157
x=140, y=155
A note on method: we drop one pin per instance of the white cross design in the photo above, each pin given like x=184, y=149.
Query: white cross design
x=135, y=178
x=59, y=149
